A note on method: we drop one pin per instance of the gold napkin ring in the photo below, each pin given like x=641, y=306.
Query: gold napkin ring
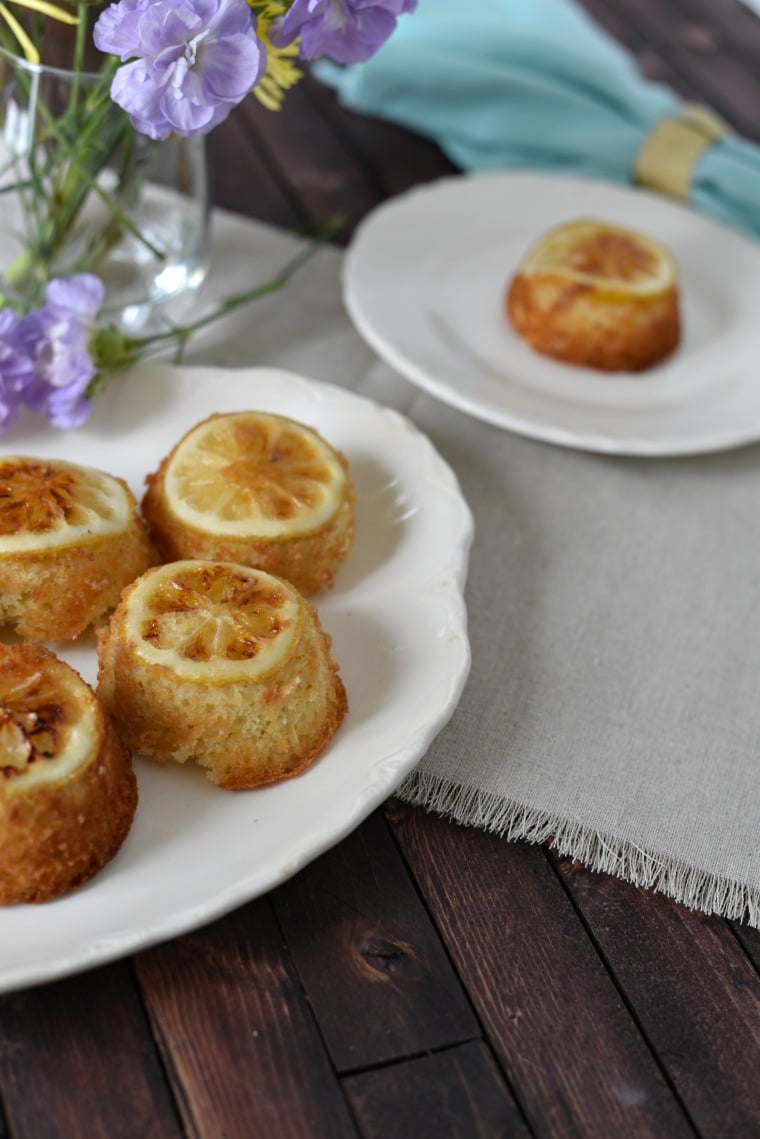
x=673, y=147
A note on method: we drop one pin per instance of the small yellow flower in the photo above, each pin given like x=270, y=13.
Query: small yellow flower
x=281, y=73
x=52, y=10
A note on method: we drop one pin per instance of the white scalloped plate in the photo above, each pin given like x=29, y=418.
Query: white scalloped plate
x=424, y=281
x=398, y=622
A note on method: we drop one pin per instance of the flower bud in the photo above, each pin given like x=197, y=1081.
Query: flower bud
x=110, y=347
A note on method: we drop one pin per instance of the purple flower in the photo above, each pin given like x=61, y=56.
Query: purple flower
x=56, y=338
x=348, y=31
x=16, y=369
x=117, y=29
x=192, y=61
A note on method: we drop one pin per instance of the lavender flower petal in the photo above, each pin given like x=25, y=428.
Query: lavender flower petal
x=348, y=31
x=82, y=294
x=117, y=31
x=67, y=407
x=133, y=89
x=57, y=339
x=16, y=369
x=192, y=61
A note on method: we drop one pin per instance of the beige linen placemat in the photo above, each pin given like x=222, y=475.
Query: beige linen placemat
x=613, y=706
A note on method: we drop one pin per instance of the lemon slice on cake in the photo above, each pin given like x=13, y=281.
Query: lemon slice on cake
x=255, y=475
x=624, y=263
x=49, y=503
x=602, y=295
x=222, y=664
x=212, y=623
x=67, y=790
x=70, y=539
x=46, y=729
x=258, y=489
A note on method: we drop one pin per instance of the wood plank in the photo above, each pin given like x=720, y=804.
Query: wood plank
x=370, y=960
x=237, y=1034
x=650, y=62
x=77, y=1058
x=693, y=990
x=395, y=158
x=749, y=938
x=306, y=156
x=573, y=1056
x=456, y=1094
x=732, y=25
x=242, y=181
x=696, y=51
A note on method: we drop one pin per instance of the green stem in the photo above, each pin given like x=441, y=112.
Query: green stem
x=229, y=304
x=89, y=182
x=130, y=351
x=80, y=41
x=56, y=179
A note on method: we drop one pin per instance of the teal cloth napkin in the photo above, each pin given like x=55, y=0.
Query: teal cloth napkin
x=534, y=84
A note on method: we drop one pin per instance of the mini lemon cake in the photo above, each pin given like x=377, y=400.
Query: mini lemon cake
x=70, y=539
x=67, y=789
x=223, y=665
x=598, y=295
x=256, y=489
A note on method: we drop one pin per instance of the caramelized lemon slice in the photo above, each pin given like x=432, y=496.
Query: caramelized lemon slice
x=47, y=729
x=254, y=475
x=212, y=622
x=613, y=259
x=68, y=793
x=258, y=490
x=48, y=504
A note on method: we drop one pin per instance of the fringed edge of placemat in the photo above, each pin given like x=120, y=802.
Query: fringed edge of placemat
x=692, y=887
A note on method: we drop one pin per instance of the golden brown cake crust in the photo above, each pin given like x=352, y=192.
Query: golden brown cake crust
x=245, y=734
x=310, y=561
x=571, y=322
x=50, y=591
x=55, y=837
x=56, y=594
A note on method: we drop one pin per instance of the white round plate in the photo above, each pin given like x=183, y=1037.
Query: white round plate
x=398, y=623
x=424, y=282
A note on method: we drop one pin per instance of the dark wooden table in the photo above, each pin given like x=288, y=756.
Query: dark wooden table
x=420, y=979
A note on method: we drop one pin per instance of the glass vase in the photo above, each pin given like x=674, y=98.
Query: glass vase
x=82, y=191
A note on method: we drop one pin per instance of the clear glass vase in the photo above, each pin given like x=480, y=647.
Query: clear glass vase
x=82, y=191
